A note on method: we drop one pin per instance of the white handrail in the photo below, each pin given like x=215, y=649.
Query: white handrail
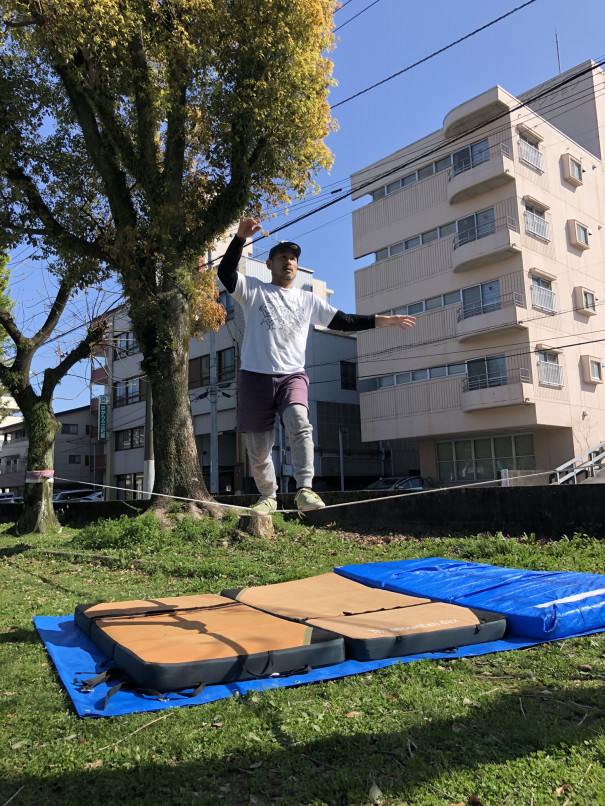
x=594, y=458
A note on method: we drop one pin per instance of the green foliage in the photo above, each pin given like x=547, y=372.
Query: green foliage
x=6, y=303
x=145, y=535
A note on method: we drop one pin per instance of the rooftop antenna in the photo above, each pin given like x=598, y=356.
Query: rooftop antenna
x=558, y=54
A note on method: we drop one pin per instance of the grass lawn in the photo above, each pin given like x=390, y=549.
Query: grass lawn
x=523, y=727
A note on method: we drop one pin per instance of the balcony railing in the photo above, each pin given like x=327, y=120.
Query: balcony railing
x=487, y=306
x=471, y=162
x=483, y=230
x=543, y=298
x=531, y=155
x=492, y=379
x=536, y=225
x=550, y=374
x=18, y=466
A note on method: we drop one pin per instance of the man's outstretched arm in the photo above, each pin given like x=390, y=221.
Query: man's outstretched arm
x=227, y=269
x=352, y=322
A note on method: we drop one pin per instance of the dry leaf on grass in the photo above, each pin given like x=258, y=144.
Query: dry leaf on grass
x=561, y=790
x=375, y=795
x=352, y=714
x=92, y=764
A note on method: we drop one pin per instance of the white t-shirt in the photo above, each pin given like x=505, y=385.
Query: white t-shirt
x=277, y=325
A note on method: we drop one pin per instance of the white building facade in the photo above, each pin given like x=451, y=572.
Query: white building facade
x=491, y=232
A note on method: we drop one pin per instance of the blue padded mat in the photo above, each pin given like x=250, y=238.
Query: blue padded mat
x=544, y=605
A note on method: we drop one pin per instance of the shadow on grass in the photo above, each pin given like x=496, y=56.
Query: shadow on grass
x=12, y=551
x=19, y=635
x=340, y=768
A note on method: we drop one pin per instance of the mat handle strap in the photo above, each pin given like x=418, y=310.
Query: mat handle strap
x=266, y=672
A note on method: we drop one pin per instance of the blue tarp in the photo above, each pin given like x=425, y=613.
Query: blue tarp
x=544, y=605
x=76, y=658
x=540, y=606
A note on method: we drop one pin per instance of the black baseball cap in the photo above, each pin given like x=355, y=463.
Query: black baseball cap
x=282, y=246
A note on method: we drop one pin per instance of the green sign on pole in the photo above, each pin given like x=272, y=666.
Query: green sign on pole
x=102, y=422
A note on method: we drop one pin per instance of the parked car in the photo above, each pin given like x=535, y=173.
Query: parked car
x=70, y=495
x=97, y=495
x=401, y=483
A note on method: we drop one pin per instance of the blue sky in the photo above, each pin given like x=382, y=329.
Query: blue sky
x=517, y=53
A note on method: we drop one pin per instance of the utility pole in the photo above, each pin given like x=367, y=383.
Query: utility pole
x=148, y=456
x=213, y=398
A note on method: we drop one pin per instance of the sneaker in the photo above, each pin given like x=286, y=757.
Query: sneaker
x=265, y=505
x=306, y=500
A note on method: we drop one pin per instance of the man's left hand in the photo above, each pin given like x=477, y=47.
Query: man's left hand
x=401, y=321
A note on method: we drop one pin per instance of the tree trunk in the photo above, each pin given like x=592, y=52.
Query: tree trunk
x=166, y=365
x=41, y=426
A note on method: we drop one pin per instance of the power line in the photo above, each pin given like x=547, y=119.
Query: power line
x=430, y=151
x=359, y=13
x=432, y=55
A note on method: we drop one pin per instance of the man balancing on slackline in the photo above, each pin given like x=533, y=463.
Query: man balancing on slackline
x=272, y=377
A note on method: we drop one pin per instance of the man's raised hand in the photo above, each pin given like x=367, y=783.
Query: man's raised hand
x=248, y=227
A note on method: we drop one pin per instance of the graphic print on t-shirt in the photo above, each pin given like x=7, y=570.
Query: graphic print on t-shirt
x=286, y=316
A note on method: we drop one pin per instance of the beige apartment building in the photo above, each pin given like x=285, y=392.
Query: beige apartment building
x=490, y=231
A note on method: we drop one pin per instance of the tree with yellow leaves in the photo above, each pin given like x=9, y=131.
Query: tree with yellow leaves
x=136, y=132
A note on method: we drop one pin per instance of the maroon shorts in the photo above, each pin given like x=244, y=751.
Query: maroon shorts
x=260, y=396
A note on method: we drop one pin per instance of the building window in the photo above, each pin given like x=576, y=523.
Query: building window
x=479, y=299
x=536, y=223
x=550, y=372
x=130, y=438
x=418, y=375
x=572, y=170
x=69, y=428
x=75, y=459
x=348, y=375
x=228, y=304
x=475, y=226
x=128, y=391
x=578, y=234
x=481, y=459
x=125, y=344
x=529, y=151
x=417, y=240
x=592, y=369
x=416, y=176
x=585, y=301
x=595, y=371
x=542, y=295
x=130, y=486
x=199, y=372
x=470, y=156
x=226, y=364
x=484, y=373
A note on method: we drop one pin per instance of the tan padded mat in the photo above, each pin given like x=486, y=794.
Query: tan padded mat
x=424, y=618
x=205, y=632
x=324, y=596
x=149, y=605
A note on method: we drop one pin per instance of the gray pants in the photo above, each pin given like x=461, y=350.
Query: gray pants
x=260, y=451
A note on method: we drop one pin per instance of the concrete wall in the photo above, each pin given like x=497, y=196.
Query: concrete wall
x=549, y=511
